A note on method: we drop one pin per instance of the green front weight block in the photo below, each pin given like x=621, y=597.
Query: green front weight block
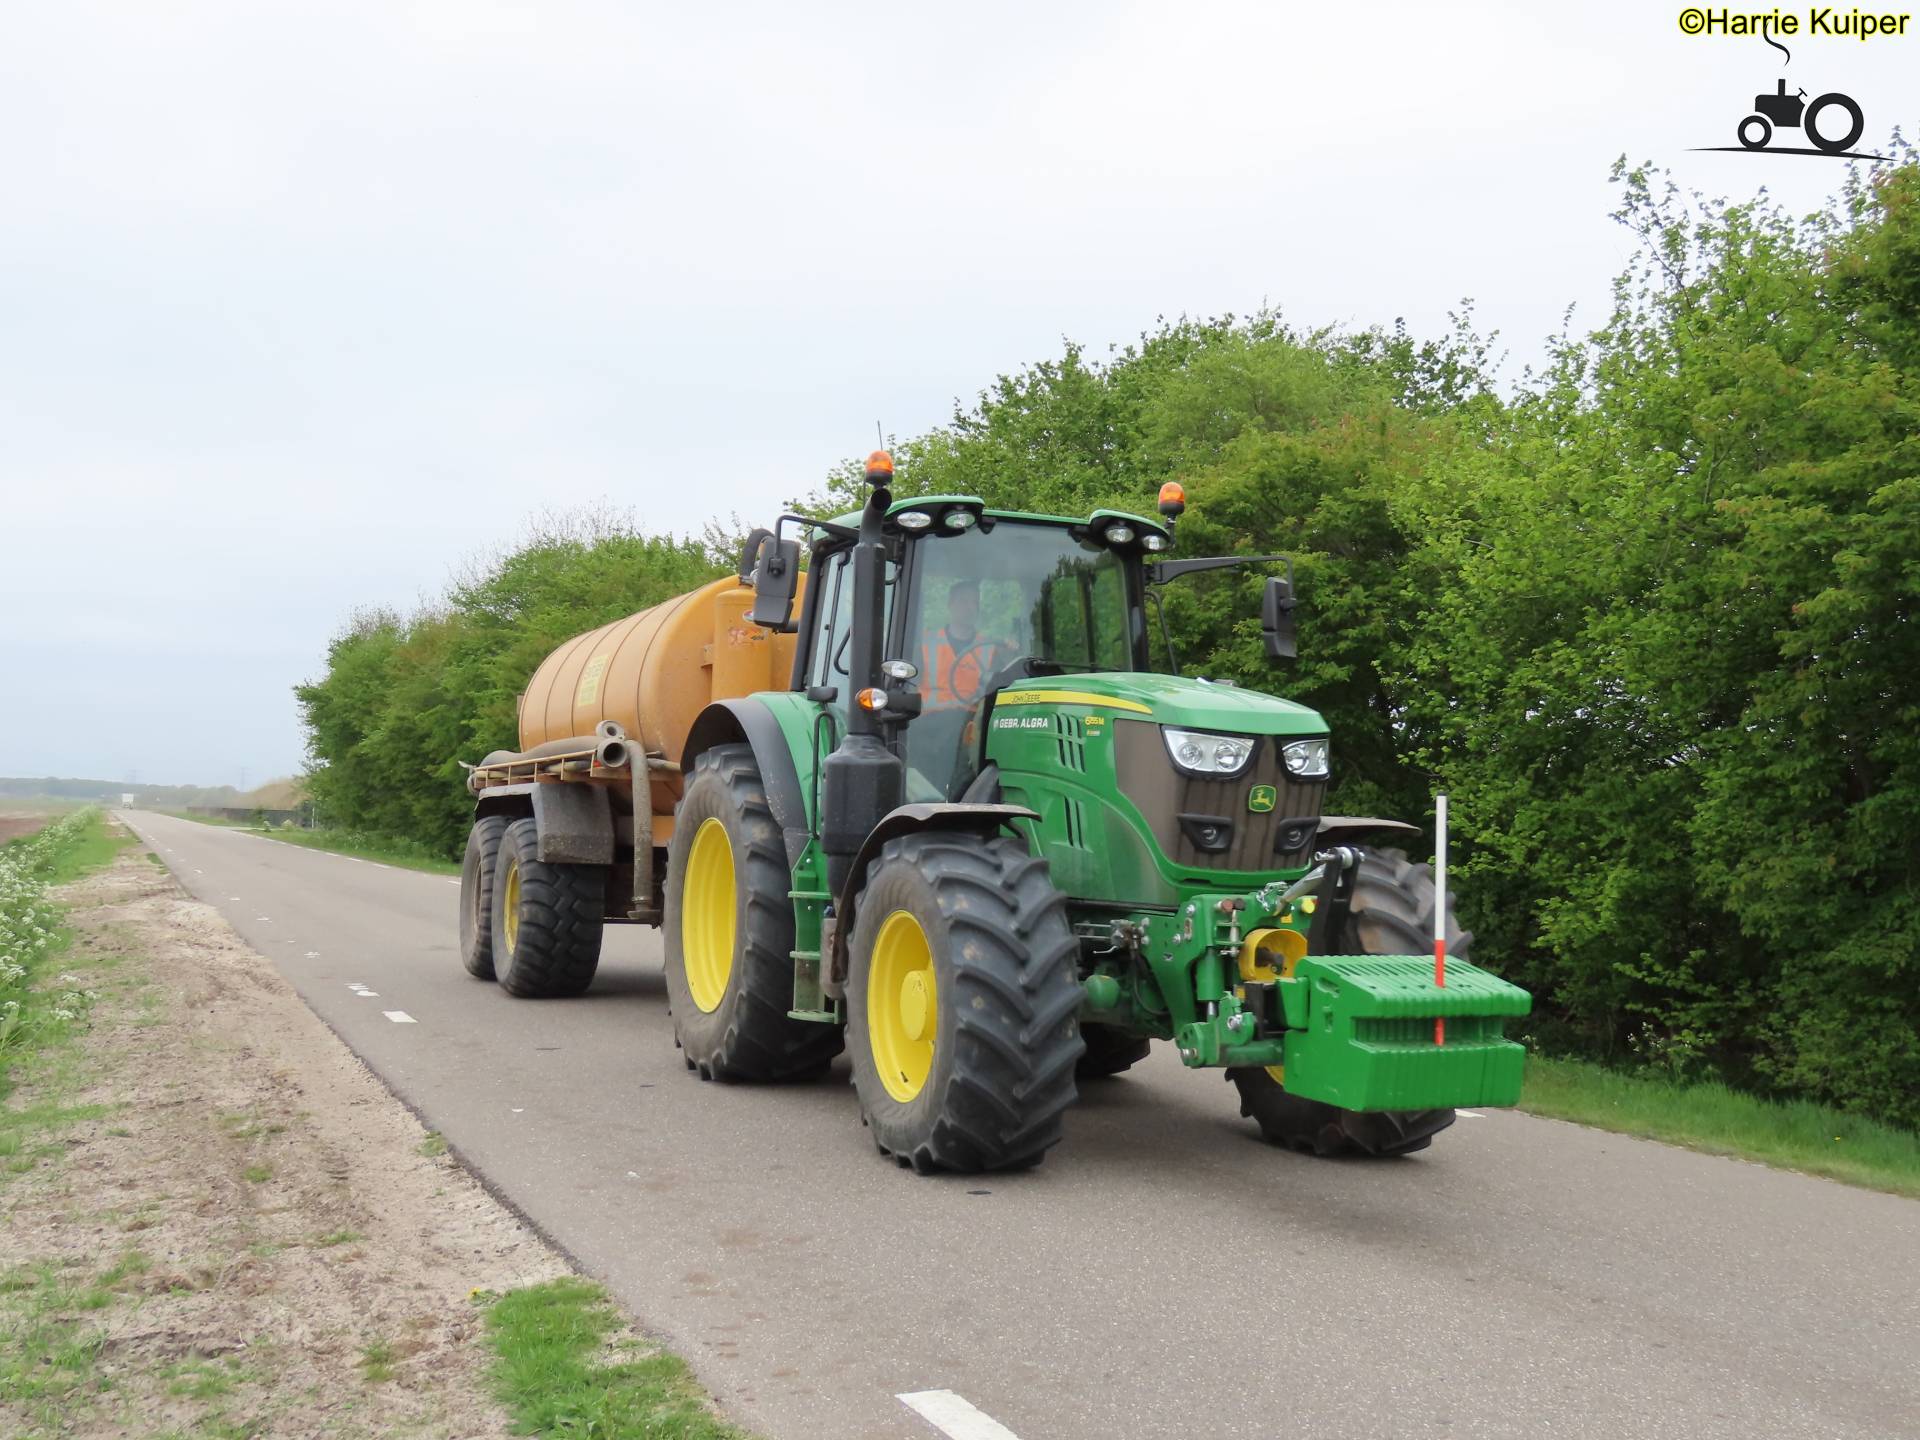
x=1368, y=1040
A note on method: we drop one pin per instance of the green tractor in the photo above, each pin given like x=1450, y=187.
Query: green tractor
x=982, y=845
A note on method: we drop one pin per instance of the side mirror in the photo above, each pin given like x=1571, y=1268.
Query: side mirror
x=1276, y=619
x=776, y=574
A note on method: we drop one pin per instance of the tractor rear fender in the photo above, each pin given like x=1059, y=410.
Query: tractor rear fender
x=575, y=822
x=748, y=722
x=982, y=820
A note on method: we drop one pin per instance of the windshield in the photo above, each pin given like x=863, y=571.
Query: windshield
x=985, y=598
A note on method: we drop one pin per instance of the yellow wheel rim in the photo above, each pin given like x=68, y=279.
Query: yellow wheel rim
x=707, y=915
x=903, y=1008
x=510, y=908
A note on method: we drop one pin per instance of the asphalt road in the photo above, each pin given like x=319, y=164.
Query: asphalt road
x=1162, y=1274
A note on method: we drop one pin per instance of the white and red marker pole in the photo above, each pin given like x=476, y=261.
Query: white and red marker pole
x=1440, y=909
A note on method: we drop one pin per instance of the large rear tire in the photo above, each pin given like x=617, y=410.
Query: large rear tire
x=961, y=1001
x=728, y=924
x=1392, y=914
x=476, y=895
x=547, y=918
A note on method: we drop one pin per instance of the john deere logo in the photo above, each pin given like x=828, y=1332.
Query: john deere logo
x=1261, y=799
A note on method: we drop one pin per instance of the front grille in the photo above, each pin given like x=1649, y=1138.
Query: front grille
x=1163, y=793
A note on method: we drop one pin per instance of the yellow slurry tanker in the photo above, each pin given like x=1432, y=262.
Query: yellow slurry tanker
x=950, y=820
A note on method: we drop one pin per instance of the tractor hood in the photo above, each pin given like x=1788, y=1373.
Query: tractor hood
x=1170, y=700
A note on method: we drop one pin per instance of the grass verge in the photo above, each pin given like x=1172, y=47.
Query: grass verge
x=1711, y=1117
x=48, y=1345
x=559, y=1371
x=35, y=1015
x=389, y=850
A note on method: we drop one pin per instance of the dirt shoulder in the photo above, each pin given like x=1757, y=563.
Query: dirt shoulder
x=228, y=1226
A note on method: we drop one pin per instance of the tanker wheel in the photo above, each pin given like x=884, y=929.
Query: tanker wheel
x=1109, y=1050
x=1392, y=914
x=961, y=1001
x=728, y=924
x=476, y=895
x=547, y=918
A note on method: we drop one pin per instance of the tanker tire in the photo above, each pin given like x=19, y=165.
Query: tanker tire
x=476, y=895
x=556, y=947
x=1109, y=1051
x=748, y=1036
x=1006, y=1037
x=1393, y=902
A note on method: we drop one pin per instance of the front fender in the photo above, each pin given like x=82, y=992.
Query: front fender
x=1337, y=828
x=983, y=820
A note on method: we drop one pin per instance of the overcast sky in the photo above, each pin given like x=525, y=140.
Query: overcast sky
x=302, y=305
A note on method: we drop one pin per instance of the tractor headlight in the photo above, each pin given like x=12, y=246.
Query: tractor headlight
x=1307, y=758
x=1199, y=753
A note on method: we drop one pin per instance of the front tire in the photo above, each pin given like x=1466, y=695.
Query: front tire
x=547, y=918
x=1392, y=914
x=476, y=895
x=728, y=925
x=961, y=1004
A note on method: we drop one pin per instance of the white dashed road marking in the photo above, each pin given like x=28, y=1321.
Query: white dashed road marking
x=1471, y=1114
x=951, y=1415
x=399, y=1017
x=365, y=994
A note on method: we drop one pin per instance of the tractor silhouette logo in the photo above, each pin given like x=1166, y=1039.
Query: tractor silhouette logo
x=1832, y=122
x=1792, y=112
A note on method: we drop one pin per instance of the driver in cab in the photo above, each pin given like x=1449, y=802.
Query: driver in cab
x=959, y=662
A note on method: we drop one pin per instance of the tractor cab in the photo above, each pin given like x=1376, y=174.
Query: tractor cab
x=977, y=600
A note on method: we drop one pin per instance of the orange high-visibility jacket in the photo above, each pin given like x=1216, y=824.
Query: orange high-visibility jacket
x=955, y=675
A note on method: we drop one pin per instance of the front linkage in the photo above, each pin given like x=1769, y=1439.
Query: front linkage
x=1241, y=981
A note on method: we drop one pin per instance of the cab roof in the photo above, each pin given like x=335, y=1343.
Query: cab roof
x=1028, y=517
